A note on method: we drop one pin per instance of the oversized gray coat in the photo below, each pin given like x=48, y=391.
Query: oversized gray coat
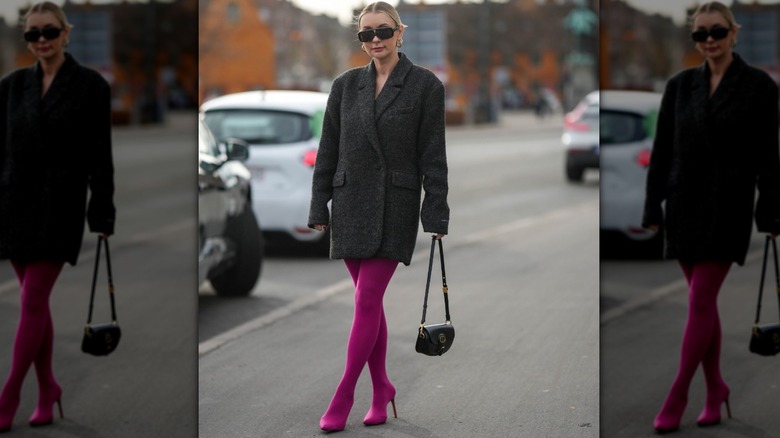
x=51, y=150
x=374, y=159
x=709, y=155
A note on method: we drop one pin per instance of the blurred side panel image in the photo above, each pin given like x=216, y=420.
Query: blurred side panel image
x=98, y=118
x=689, y=201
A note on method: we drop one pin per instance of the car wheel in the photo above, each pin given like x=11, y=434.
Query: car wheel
x=574, y=173
x=241, y=277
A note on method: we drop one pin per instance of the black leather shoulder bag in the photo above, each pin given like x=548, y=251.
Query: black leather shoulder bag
x=435, y=339
x=765, y=338
x=101, y=339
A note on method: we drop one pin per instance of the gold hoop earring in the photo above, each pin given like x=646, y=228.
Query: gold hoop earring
x=399, y=43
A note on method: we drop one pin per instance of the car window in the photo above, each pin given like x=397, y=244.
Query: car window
x=260, y=126
x=206, y=142
x=620, y=127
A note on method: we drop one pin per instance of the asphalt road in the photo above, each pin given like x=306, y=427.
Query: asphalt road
x=147, y=387
x=523, y=271
x=644, y=305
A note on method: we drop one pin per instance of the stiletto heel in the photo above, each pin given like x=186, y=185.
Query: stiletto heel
x=378, y=413
x=44, y=412
x=728, y=408
x=710, y=415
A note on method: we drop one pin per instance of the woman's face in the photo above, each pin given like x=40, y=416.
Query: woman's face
x=378, y=48
x=42, y=47
x=712, y=48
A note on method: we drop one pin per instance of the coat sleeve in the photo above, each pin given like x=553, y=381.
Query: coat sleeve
x=660, y=160
x=100, y=211
x=327, y=159
x=768, y=182
x=432, y=156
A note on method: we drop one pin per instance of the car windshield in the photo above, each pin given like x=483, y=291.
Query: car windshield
x=620, y=127
x=260, y=126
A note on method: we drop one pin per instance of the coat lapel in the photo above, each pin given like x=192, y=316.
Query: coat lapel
x=727, y=85
x=365, y=105
x=393, y=86
x=59, y=85
x=32, y=99
x=700, y=97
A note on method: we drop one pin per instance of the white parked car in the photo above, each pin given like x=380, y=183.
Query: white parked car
x=581, y=137
x=627, y=128
x=283, y=130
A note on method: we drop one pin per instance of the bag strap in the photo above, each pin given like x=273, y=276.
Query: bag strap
x=101, y=242
x=763, y=275
x=443, y=282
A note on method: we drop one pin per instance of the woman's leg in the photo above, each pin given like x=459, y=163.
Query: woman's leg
x=33, y=335
x=704, y=282
x=372, y=277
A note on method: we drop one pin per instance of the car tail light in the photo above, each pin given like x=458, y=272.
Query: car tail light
x=310, y=157
x=643, y=158
x=572, y=123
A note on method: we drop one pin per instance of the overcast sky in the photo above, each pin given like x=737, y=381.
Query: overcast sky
x=9, y=8
x=342, y=9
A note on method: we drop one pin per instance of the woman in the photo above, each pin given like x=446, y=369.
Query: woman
x=382, y=142
x=55, y=141
x=717, y=138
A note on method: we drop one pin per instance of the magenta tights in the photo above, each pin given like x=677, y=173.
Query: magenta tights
x=702, y=337
x=35, y=332
x=368, y=336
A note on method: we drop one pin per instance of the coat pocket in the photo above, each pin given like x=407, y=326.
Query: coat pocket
x=404, y=110
x=406, y=180
x=339, y=179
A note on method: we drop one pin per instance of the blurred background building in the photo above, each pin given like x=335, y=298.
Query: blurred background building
x=642, y=51
x=490, y=55
x=146, y=51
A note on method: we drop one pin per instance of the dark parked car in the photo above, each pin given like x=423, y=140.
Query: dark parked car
x=230, y=241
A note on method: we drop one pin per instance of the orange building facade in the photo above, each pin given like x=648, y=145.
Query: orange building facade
x=236, y=49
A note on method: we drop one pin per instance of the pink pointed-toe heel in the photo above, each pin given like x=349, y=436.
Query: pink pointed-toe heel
x=710, y=415
x=7, y=412
x=668, y=420
x=378, y=413
x=44, y=412
x=335, y=418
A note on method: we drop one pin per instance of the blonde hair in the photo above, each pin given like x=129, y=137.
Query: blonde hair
x=716, y=7
x=381, y=7
x=47, y=7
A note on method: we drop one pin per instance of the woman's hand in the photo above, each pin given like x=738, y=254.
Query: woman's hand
x=652, y=227
x=320, y=227
x=105, y=235
x=439, y=236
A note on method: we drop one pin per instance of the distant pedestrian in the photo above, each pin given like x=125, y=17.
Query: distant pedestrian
x=55, y=142
x=716, y=141
x=382, y=143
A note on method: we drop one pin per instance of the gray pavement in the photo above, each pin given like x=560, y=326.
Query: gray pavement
x=522, y=264
x=640, y=341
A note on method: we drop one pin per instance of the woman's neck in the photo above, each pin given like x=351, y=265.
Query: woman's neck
x=385, y=67
x=719, y=66
x=50, y=66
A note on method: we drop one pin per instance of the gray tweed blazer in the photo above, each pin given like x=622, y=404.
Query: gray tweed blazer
x=375, y=157
x=709, y=156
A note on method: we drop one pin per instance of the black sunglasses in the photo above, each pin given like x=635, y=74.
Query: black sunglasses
x=49, y=33
x=383, y=33
x=717, y=33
